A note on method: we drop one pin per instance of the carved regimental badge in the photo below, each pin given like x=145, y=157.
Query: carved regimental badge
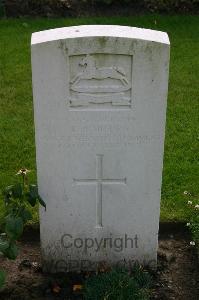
x=100, y=80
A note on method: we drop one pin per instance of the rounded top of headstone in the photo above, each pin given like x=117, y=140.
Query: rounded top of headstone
x=99, y=30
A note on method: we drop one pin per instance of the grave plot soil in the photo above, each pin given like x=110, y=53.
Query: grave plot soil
x=177, y=276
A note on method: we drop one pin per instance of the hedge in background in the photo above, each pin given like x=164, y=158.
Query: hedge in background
x=15, y=8
x=172, y=5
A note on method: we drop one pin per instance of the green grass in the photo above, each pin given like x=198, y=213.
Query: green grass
x=17, y=148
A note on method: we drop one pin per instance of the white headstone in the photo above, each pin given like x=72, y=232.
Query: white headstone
x=99, y=104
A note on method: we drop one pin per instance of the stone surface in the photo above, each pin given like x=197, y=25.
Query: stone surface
x=99, y=106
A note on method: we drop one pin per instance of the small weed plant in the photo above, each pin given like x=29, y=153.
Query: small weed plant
x=18, y=199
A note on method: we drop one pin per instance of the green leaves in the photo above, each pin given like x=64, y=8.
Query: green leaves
x=4, y=244
x=14, y=227
x=17, y=191
x=2, y=278
x=33, y=191
x=16, y=198
x=27, y=194
x=13, y=191
x=8, y=248
x=42, y=202
x=33, y=196
x=32, y=201
x=25, y=214
x=7, y=194
x=11, y=252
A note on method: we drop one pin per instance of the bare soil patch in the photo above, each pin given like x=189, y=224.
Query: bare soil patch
x=177, y=276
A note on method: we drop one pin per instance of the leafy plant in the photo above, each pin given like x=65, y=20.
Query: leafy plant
x=17, y=198
x=118, y=284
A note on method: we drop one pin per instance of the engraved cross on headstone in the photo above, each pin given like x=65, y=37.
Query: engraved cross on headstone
x=99, y=181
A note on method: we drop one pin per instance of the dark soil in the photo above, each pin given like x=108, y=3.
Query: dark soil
x=177, y=276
